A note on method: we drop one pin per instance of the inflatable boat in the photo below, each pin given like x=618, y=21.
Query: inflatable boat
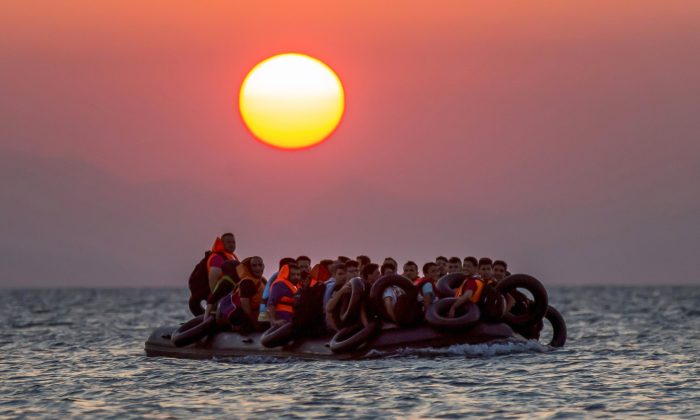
x=231, y=344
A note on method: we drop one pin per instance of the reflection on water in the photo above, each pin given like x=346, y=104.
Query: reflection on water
x=631, y=351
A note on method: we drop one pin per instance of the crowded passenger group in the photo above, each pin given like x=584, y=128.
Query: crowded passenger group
x=303, y=292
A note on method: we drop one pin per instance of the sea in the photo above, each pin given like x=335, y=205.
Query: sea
x=631, y=352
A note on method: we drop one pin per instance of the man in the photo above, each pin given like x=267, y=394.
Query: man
x=280, y=305
x=370, y=273
x=387, y=269
x=309, y=313
x=223, y=250
x=500, y=270
x=353, y=269
x=266, y=292
x=470, y=268
x=304, y=264
x=442, y=265
x=473, y=286
x=486, y=270
x=240, y=307
x=389, y=260
x=410, y=270
x=426, y=285
x=363, y=260
x=454, y=265
x=338, y=280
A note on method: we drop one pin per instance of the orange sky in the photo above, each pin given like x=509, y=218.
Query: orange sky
x=540, y=132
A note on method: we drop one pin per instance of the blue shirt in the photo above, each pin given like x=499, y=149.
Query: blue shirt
x=330, y=285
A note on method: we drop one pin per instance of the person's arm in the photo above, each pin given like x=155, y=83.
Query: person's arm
x=428, y=295
x=214, y=275
x=389, y=308
x=459, y=302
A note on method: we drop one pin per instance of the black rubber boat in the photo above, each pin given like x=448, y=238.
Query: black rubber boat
x=231, y=344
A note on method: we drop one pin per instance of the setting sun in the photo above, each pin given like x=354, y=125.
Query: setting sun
x=291, y=101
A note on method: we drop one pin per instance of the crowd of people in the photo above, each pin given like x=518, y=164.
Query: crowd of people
x=242, y=299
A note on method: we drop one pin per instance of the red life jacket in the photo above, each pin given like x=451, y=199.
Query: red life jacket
x=476, y=296
x=218, y=249
x=286, y=303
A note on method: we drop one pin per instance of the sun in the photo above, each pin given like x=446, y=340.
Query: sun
x=291, y=101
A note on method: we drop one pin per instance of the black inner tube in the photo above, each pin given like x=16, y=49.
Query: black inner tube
x=193, y=330
x=278, y=335
x=466, y=315
x=535, y=310
x=352, y=310
x=352, y=337
x=558, y=325
x=376, y=299
x=446, y=286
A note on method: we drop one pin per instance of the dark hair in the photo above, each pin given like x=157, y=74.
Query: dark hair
x=485, y=261
x=368, y=269
x=363, y=259
x=391, y=261
x=440, y=258
x=455, y=260
x=343, y=258
x=472, y=260
x=410, y=262
x=326, y=263
x=227, y=234
x=387, y=265
x=293, y=266
x=352, y=263
x=339, y=266
x=303, y=257
x=427, y=266
x=501, y=263
x=287, y=260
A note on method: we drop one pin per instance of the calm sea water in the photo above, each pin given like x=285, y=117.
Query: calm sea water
x=631, y=352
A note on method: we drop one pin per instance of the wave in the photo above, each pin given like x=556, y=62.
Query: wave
x=468, y=350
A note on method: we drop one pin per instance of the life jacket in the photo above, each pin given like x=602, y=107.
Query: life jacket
x=476, y=296
x=218, y=249
x=244, y=273
x=421, y=281
x=286, y=303
x=319, y=274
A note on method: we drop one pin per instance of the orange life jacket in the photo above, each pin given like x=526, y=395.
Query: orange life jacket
x=245, y=274
x=286, y=303
x=476, y=296
x=319, y=274
x=420, y=282
x=218, y=249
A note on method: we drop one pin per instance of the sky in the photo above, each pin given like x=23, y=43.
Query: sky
x=559, y=136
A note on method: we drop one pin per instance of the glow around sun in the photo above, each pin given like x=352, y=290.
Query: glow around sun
x=291, y=101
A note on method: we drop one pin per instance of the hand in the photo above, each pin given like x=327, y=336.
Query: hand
x=451, y=312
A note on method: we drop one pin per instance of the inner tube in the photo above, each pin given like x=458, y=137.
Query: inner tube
x=357, y=291
x=558, y=325
x=445, y=287
x=193, y=330
x=339, y=306
x=535, y=310
x=278, y=335
x=436, y=316
x=352, y=337
x=377, y=301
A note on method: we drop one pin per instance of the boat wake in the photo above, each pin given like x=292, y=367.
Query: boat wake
x=468, y=350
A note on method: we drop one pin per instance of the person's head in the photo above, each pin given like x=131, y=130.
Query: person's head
x=387, y=268
x=389, y=260
x=363, y=260
x=431, y=270
x=286, y=260
x=370, y=272
x=229, y=241
x=500, y=268
x=304, y=263
x=352, y=268
x=256, y=266
x=442, y=264
x=454, y=265
x=470, y=266
x=340, y=274
x=343, y=259
x=294, y=273
x=486, y=268
x=410, y=270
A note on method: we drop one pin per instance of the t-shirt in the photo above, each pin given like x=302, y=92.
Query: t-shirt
x=217, y=261
x=330, y=285
x=427, y=289
x=470, y=284
x=393, y=293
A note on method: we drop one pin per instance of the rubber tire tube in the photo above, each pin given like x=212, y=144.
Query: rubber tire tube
x=352, y=337
x=277, y=336
x=375, y=294
x=536, y=309
x=558, y=325
x=437, y=315
x=357, y=287
x=193, y=330
x=340, y=307
x=446, y=286
x=493, y=311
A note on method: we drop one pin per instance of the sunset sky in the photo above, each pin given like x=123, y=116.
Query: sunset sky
x=561, y=136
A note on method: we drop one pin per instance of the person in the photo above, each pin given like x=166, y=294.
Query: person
x=239, y=309
x=470, y=268
x=343, y=259
x=263, y=317
x=387, y=269
x=304, y=264
x=369, y=274
x=426, y=284
x=223, y=250
x=353, y=269
x=337, y=281
x=486, y=270
x=500, y=268
x=363, y=260
x=410, y=270
x=470, y=290
x=454, y=265
x=309, y=313
x=280, y=304
x=442, y=265
x=198, y=283
x=390, y=296
x=389, y=260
